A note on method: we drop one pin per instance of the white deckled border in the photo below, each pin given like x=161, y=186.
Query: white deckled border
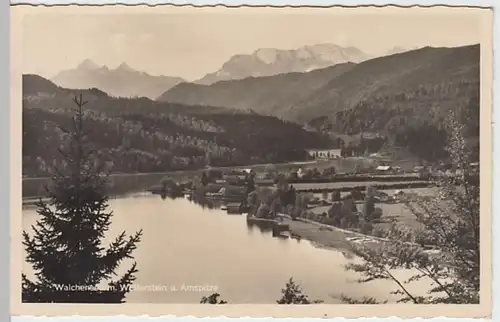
x=183, y=313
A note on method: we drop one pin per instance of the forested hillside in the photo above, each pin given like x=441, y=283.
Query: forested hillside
x=427, y=78
x=415, y=83
x=409, y=112
x=403, y=97
x=141, y=135
x=272, y=95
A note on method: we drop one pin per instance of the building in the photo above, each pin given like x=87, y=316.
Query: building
x=384, y=168
x=324, y=154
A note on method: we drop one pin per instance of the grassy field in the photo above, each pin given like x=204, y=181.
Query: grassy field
x=432, y=191
x=397, y=211
x=337, y=185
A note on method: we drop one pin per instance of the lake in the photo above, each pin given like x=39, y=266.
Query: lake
x=199, y=251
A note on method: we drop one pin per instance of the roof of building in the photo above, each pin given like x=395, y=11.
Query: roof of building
x=331, y=149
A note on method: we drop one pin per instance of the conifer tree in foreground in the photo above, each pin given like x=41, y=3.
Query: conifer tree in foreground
x=66, y=250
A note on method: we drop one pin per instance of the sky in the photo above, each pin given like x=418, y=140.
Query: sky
x=192, y=43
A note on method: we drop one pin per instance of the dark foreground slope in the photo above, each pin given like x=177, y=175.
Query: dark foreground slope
x=141, y=135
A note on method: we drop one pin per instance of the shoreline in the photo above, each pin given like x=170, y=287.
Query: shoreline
x=32, y=187
x=175, y=173
x=31, y=201
x=321, y=235
x=334, y=238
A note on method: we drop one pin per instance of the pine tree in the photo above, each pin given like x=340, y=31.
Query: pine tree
x=66, y=249
x=292, y=294
x=212, y=299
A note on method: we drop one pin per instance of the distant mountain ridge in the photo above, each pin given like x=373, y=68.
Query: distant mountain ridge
x=352, y=97
x=270, y=61
x=398, y=50
x=122, y=81
x=42, y=93
x=269, y=95
x=38, y=89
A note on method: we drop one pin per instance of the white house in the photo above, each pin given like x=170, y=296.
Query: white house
x=324, y=153
x=384, y=168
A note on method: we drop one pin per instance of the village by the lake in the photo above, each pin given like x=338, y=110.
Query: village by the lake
x=314, y=172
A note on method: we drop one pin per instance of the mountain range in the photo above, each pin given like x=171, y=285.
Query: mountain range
x=41, y=93
x=122, y=81
x=270, y=61
x=409, y=82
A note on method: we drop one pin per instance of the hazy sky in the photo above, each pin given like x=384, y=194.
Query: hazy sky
x=190, y=45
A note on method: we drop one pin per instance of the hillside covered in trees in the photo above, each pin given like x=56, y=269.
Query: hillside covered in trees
x=271, y=95
x=141, y=135
x=350, y=94
x=418, y=80
x=402, y=97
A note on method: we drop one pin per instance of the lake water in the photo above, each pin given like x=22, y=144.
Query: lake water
x=199, y=251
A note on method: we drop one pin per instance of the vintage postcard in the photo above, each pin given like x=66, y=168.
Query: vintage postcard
x=251, y=161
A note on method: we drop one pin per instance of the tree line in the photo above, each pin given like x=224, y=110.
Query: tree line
x=132, y=142
x=413, y=118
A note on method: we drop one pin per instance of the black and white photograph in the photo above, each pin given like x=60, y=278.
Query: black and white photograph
x=285, y=156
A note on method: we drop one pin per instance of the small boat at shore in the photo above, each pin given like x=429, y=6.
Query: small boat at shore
x=234, y=208
x=272, y=223
x=254, y=219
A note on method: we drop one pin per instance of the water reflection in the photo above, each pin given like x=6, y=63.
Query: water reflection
x=205, y=203
x=264, y=227
x=185, y=245
x=164, y=195
x=202, y=201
